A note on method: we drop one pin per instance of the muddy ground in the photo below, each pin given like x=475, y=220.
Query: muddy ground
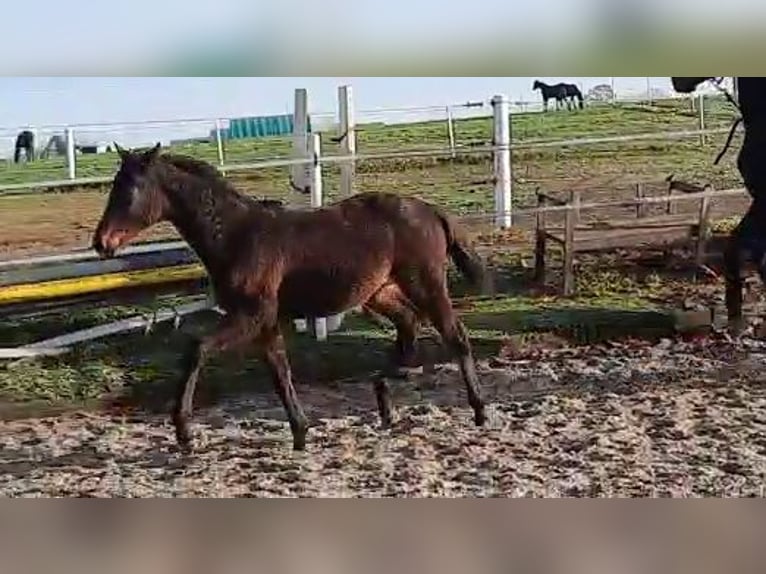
x=631, y=419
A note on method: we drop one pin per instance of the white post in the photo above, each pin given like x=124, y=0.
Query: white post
x=703, y=140
x=219, y=141
x=347, y=133
x=300, y=150
x=649, y=92
x=70, y=157
x=298, y=173
x=315, y=181
x=614, y=94
x=502, y=161
x=451, y=132
x=35, y=144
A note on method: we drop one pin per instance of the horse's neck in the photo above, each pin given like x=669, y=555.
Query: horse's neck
x=206, y=216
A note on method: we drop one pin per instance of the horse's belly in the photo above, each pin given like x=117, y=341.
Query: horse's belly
x=319, y=292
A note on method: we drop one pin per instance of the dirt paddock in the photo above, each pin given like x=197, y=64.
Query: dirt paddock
x=671, y=419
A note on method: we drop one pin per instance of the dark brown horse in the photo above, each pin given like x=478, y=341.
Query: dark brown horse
x=268, y=265
x=747, y=241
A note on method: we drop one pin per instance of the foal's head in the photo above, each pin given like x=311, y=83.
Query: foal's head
x=135, y=201
x=536, y=85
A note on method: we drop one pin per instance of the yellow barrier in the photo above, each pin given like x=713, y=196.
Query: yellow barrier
x=97, y=283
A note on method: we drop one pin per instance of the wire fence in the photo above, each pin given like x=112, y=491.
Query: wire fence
x=456, y=126
x=404, y=140
x=442, y=153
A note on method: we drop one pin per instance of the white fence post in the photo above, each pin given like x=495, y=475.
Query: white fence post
x=219, y=142
x=70, y=155
x=298, y=173
x=649, y=99
x=347, y=133
x=501, y=140
x=35, y=144
x=451, y=132
x=315, y=181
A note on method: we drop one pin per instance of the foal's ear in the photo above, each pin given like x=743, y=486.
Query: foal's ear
x=150, y=155
x=124, y=154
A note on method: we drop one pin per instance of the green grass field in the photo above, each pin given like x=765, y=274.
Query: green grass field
x=133, y=363
x=40, y=222
x=601, y=120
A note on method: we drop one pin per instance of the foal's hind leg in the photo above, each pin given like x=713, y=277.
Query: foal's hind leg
x=733, y=259
x=430, y=294
x=746, y=242
x=393, y=304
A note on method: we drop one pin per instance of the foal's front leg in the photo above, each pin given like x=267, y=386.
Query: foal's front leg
x=234, y=330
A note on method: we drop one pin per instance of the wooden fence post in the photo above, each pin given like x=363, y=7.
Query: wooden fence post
x=540, y=239
x=575, y=199
x=569, y=244
x=641, y=207
x=703, y=230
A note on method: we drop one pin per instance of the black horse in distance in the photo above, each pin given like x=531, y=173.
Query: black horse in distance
x=562, y=92
x=25, y=140
x=748, y=239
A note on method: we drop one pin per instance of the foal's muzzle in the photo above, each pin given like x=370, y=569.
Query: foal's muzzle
x=106, y=244
x=103, y=251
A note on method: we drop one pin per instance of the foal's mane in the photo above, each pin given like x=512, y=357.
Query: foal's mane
x=194, y=166
x=215, y=179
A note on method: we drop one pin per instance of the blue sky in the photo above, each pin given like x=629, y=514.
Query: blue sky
x=64, y=100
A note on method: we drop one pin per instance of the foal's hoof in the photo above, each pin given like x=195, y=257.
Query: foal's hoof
x=299, y=440
x=184, y=442
x=406, y=371
x=737, y=326
x=299, y=444
x=479, y=417
x=183, y=435
x=402, y=371
x=386, y=421
x=760, y=331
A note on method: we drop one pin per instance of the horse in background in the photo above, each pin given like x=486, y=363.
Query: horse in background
x=25, y=140
x=562, y=92
x=747, y=241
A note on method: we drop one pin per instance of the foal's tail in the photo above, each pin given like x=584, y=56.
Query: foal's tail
x=466, y=259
